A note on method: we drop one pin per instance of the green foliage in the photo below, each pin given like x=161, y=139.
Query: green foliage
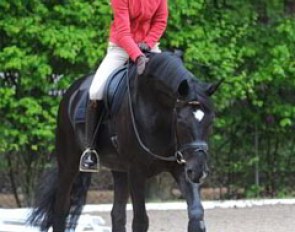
x=249, y=43
x=42, y=41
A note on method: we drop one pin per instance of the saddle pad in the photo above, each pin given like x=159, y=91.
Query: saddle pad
x=78, y=101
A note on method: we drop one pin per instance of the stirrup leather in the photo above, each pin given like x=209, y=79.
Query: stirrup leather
x=95, y=168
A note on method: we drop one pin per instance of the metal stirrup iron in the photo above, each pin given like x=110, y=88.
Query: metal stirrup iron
x=95, y=168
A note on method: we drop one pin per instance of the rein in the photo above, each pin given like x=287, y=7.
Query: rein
x=178, y=155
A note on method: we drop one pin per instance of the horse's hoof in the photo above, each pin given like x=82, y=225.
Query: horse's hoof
x=196, y=226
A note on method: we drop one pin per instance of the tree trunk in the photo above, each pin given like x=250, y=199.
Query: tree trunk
x=12, y=181
x=290, y=7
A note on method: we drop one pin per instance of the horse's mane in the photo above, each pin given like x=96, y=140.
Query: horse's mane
x=167, y=64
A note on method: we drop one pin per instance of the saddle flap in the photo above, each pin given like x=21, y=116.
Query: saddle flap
x=114, y=92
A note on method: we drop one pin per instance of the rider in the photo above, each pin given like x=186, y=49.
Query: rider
x=137, y=28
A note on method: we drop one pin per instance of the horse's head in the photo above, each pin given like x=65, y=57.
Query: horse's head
x=194, y=121
x=185, y=110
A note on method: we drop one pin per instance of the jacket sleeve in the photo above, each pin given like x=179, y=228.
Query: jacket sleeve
x=122, y=24
x=158, y=24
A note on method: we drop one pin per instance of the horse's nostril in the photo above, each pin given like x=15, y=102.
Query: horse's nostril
x=193, y=176
x=190, y=173
x=206, y=171
x=205, y=174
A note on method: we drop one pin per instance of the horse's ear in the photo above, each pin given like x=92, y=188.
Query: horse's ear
x=211, y=88
x=183, y=89
x=178, y=53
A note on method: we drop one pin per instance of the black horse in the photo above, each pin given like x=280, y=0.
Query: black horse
x=162, y=125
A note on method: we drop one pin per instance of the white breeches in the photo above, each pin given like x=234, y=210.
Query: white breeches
x=115, y=58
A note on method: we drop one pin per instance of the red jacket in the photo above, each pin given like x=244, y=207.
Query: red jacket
x=138, y=21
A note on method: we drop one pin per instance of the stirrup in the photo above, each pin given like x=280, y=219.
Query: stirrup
x=95, y=168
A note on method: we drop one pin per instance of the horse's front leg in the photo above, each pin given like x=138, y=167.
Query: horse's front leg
x=137, y=189
x=191, y=193
x=121, y=195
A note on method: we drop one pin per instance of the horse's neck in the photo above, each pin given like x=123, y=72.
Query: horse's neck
x=156, y=125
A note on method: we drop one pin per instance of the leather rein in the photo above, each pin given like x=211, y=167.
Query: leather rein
x=178, y=154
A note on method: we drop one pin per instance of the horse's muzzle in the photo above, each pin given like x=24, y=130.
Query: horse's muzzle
x=196, y=176
x=197, y=169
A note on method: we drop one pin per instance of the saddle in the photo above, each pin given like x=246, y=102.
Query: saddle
x=114, y=92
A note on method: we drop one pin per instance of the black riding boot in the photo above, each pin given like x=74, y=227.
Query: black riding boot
x=90, y=159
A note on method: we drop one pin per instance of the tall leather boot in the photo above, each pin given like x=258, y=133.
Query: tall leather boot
x=89, y=161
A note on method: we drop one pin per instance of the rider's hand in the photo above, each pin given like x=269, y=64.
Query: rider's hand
x=144, y=47
x=141, y=62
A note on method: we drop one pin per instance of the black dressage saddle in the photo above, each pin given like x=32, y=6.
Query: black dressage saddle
x=114, y=92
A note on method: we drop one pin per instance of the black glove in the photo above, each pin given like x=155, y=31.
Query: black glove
x=141, y=62
x=144, y=47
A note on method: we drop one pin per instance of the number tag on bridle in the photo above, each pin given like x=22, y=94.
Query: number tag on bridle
x=199, y=115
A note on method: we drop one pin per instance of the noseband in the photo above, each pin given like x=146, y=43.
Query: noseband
x=199, y=146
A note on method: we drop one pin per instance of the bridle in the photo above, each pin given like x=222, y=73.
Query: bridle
x=199, y=146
